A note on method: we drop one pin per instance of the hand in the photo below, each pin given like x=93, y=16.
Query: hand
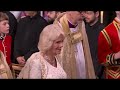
x=117, y=55
x=21, y=60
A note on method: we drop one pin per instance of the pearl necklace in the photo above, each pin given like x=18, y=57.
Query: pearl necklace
x=52, y=62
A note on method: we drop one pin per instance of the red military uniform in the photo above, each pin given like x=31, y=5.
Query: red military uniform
x=5, y=47
x=108, y=45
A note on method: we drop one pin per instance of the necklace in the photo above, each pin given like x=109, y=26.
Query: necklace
x=52, y=62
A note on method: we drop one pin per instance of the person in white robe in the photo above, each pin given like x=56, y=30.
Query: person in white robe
x=75, y=54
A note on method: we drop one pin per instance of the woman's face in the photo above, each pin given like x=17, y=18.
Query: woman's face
x=4, y=26
x=57, y=45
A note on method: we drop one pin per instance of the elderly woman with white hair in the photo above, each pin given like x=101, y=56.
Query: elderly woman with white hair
x=45, y=63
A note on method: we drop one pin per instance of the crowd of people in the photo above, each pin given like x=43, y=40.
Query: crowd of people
x=60, y=45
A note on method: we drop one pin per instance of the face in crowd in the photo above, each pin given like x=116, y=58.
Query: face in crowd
x=75, y=16
x=90, y=16
x=4, y=23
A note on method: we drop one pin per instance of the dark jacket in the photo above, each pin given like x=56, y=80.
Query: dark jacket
x=93, y=33
x=27, y=35
x=108, y=17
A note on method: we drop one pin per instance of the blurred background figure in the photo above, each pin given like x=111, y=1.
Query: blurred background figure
x=12, y=23
x=27, y=36
x=12, y=30
x=109, y=48
x=52, y=15
x=5, y=38
x=93, y=27
x=77, y=61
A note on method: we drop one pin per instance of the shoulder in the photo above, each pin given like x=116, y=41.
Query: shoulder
x=101, y=26
x=35, y=58
x=35, y=55
x=8, y=37
x=10, y=15
x=109, y=27
x=106, y=33
x=41, y=19
x=24, y=19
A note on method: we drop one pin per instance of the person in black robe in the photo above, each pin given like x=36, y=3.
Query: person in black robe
x=93, y=28
x=27, y=36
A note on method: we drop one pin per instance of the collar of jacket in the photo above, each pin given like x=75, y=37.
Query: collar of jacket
x=35, y=16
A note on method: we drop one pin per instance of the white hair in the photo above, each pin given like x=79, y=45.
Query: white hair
x=48, y=35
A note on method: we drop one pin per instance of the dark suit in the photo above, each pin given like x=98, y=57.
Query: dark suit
x=27, y=35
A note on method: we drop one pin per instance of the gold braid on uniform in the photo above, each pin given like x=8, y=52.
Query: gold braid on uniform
x=110, y=58
x=111, y=61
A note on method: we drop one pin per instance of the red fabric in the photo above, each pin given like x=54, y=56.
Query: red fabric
x=104, y=48
x=7, y=44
